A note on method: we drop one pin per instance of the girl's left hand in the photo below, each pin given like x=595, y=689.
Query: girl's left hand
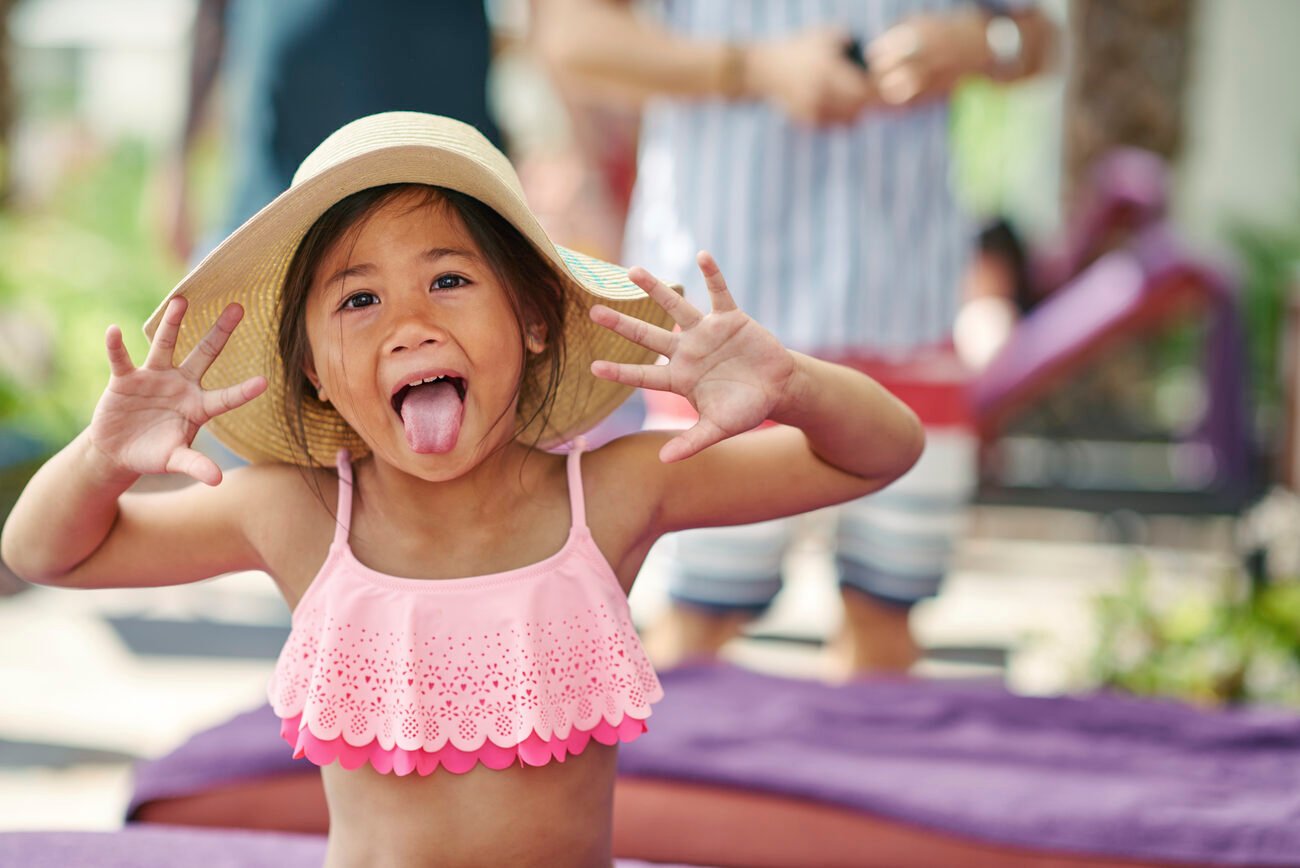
x=732, y=370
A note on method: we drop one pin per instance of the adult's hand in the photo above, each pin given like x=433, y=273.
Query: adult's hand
x=923, y=57
x=809, y=77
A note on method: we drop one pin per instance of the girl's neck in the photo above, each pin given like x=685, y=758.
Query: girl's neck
x=488, y=489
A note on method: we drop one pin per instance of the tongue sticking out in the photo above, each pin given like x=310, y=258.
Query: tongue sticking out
x=432, y=414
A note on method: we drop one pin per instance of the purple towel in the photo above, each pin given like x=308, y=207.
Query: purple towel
x=246, y=746
x=147, y=846
x=1101, y=775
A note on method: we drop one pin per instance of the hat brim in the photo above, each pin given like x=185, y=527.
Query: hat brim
x=249, y=267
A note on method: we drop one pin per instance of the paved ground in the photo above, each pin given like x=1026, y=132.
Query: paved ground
x=91, y=679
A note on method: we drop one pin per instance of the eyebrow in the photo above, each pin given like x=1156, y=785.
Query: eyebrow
x=366, y=269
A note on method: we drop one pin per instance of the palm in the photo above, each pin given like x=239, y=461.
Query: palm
x=148, y=417
x=731, y=369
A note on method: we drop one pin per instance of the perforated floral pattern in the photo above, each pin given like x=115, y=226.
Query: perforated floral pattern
x=544, y=680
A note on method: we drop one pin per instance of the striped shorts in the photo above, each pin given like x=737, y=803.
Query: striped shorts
x=894, y=545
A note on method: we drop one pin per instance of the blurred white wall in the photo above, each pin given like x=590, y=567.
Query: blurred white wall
x=88, y=73
x=1242, y=156
x=128, y=60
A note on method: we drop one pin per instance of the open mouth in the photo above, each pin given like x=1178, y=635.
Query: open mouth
x=399, y=397
x=431, y=410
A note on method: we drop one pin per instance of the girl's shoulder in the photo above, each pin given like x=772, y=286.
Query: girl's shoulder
x=277, y=485
x=627, y=462
x=624, y=477
x=289, y=515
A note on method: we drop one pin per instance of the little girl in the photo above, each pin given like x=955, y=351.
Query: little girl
x=462, y=665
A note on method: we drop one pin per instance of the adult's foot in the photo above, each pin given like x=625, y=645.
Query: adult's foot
x=685, y=634
x=874, y=638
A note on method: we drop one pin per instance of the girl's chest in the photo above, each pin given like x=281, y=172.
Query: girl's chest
x=466, y=554
x=297, y=547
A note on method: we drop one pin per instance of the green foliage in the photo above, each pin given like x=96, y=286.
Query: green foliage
x=86, y=260
x=1003, y=152
x=1232, y=646
x=1270, y=257
x=10, y=397
x=981, y=113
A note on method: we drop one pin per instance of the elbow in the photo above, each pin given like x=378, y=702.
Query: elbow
x=17, y=558
x=560, y=49
x=14, y=562
x=911, y=445
x=915, y=443
x=28, y=572
x=905, y=445
x=584, y=64
x=10, y=555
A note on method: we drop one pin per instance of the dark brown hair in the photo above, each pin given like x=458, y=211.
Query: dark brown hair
x=536, y=292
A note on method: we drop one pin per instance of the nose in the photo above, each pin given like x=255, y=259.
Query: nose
x=414, y=325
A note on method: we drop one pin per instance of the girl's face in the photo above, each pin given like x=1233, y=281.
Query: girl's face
x=407, y=297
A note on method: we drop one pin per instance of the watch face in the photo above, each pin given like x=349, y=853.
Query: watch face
x=1003, y=37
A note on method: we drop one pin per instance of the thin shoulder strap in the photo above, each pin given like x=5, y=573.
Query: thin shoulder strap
x=577, y=506
x=343, y=520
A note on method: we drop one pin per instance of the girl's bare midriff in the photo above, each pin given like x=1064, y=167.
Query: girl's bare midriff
x=557, y=815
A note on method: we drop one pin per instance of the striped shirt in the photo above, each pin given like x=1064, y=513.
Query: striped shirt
x=838, y=238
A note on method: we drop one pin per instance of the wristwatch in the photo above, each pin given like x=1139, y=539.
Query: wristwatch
x=1005, y=43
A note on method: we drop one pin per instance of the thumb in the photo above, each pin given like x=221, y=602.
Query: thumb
x=692, y=441
x=195, y=464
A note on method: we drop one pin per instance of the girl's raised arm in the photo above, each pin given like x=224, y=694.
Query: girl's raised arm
x=847, y=435
x=72, y=525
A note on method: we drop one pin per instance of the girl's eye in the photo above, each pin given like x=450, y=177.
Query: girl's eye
x=449, y=281
x=360, y=299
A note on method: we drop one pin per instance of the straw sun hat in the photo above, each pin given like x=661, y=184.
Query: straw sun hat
x=249, y=267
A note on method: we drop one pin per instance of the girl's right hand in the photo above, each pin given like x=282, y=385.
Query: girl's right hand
x=148, y=416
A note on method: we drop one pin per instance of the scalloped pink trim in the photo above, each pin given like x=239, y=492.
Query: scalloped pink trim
x=533, y=751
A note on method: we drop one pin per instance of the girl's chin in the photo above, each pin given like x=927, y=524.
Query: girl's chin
x=432, y=449
x=426, y=466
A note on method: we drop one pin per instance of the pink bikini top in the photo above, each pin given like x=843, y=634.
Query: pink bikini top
x=523, y=666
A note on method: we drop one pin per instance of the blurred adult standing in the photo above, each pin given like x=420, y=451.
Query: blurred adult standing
x=293, y=71
x=805, y=144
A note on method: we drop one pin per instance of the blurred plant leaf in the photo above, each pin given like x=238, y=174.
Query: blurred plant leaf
x=85, y=260
x=1213, y=648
